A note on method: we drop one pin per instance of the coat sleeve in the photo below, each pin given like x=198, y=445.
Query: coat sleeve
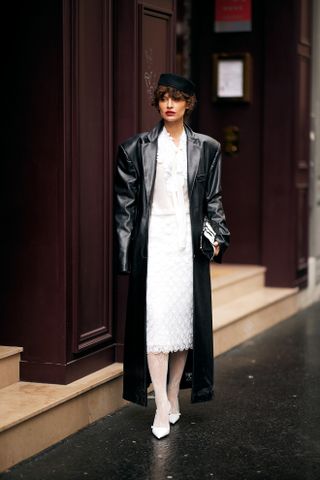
x=215, y=210
x=125, y=208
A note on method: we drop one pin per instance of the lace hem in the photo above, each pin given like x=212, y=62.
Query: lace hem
x=169, y=348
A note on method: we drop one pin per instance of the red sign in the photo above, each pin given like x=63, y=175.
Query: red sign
x=232, y=16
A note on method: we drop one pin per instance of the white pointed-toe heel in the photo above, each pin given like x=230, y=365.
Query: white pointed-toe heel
x=160, y=432
x=174, y=417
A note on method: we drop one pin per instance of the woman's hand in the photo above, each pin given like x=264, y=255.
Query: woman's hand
x=216, y=248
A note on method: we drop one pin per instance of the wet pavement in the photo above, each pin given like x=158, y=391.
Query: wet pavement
x=264, y=422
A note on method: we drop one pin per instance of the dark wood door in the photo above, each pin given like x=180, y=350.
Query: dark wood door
x=145, y=46
x=286, y=142
x=88, y=103
x=76, y=82
x=156, y=54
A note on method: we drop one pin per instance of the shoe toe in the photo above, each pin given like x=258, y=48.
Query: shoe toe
x=174, y=417
x=160, y=432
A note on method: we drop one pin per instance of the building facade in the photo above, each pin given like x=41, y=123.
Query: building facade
x=79, y=79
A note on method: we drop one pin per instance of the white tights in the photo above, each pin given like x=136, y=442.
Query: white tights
x=158, y=364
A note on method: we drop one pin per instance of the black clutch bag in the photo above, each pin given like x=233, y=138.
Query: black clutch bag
x=207, y=238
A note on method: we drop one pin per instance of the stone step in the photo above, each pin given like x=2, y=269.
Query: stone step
x=34, y=416
x=244, y=317
x=9, y=365
x=234, y=281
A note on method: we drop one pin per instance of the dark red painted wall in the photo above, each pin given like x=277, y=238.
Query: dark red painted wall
x=242, y=172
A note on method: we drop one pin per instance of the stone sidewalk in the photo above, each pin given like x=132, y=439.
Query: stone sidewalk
x=264, y=422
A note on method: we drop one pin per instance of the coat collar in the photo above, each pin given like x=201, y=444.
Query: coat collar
x=149, y=156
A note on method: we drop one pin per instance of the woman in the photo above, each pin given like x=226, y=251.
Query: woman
x=167, y=181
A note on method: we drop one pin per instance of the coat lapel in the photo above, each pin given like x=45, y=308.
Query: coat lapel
x=193, y=158
x=149, y=157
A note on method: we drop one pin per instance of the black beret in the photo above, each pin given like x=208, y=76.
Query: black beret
x=178, y=82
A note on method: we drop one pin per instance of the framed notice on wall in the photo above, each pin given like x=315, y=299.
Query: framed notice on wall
x=232, y=16
x=231, y=77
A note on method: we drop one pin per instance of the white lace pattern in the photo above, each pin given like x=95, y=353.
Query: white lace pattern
x=170, y=258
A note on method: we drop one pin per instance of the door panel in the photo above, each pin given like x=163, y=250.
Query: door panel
x=91, y=174
x=156, y=56
x=286, y=142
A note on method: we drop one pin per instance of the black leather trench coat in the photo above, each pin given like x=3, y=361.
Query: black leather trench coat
x=135, y=175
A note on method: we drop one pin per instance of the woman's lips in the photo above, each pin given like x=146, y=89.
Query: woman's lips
x=170, y=113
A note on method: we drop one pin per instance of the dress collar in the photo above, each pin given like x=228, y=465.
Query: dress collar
x=182, y=140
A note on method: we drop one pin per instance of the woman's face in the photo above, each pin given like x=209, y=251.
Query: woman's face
x=171, y=110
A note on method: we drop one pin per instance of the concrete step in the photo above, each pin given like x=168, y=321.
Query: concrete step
x=9, y=365
x=34, y=416
x=234, y=281
x=244, y=317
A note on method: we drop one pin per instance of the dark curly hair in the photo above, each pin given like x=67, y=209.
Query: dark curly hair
x=160, y=92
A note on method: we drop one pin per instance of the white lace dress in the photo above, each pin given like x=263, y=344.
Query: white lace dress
x=170, y=256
